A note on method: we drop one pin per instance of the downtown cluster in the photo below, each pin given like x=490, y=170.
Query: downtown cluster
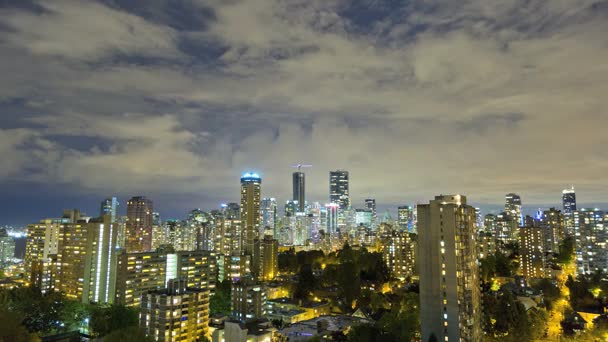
x=440, y=271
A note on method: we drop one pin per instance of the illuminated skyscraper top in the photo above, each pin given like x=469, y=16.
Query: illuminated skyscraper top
x=139, y=224
x=109, y=206
x=250, y=209
x=569, y=200
x=513, y=207
x=338, y=188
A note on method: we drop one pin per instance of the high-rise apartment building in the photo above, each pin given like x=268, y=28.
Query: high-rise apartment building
x=109, y=206
x=299, y=190
x=590, y=240
x=138, y=273
x=569, y=205
x=338, y=188
x=513, y=208
x=531, y=252
x=552, y=223
x=506, y=228
x=250, y=209
x=176, y=313
x=398, y=254
x=139, y=224
x=450, y=303
x=270, y=258
x=248, y=300
x=332, y=218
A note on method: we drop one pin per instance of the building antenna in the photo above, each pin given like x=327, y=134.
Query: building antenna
x=300, y=166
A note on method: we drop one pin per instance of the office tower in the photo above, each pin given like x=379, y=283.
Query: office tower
x=569, y=204
x=109, y=206
x=332, y=218
x=250, y=209
x=590, y=240
x=531, y=252
x=299, y=194
x=364, y=217
x=370, y=203
x=7, y=248
x=248, y=300
x=506, y=228
x=269, y=249
x=177, y=313
x=513, y=207
x=139, y=224
x=139, y=273
x=404, y=218
x=398, y=254
x=291, y=208
x=269, y=214
x=338, y=188
x=479, y=219
x=450, y=304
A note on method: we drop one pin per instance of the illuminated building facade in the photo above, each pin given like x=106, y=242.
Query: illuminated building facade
x=404, y=218
x=7, y=248
x=590, y=240
x=531, y=252
x=250, y=209
x=109, y=206
x=248, y=300
x=269, y=214
x=569, y=206
x=339, y=188
x=450, y=303
x=177, y=313
x=513, y=208
x=139, y=225
x=398, y=254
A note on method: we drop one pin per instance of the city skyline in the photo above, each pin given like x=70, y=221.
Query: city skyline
x=174, y=101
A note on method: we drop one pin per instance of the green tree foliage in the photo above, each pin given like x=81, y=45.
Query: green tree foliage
x=108, y=319
x=306, y=283
x=43, y=313
x=506, y=318
x=220, y=301
x=401, y=323
x=550, y=291
x=581, y=295
x=566, y=251
x=11, y=329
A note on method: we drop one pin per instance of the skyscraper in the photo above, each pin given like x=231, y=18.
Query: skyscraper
x=250, y=209
x=332, y=218
x=513, y=207
x=7, y=248
x=338, y=188
x=269, y=214
x=531, y=252
x=450, y=303
x=109, y=206
x=404, y=218
x=569, y=202
x=299, y=193
x=370, y=203
x=139, y=224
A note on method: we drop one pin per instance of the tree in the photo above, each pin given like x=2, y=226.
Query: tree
x=112, y=318
x=220, y=303
x=566, y=250
x=349, y=283
x=12, y=330
x=306, y=282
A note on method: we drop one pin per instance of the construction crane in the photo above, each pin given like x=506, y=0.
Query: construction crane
x=300, y=166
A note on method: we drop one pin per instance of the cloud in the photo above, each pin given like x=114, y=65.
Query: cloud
x=425, y=98
x=87, y=30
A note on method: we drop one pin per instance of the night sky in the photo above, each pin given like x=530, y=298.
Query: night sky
x=174, y=99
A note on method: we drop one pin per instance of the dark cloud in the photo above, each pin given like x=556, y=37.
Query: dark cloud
x=174, y=99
